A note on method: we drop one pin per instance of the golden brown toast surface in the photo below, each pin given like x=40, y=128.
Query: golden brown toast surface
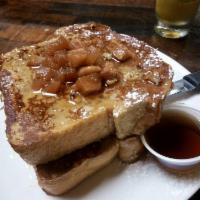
x=44, y=126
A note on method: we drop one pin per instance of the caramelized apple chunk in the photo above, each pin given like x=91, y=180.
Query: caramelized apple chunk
x=75, y=44
x=76, y=58
x=60, y=57
x=53, y=86
x=89, y=70
x=88, y=84
x=37, y=84
x=70, y=74
x=81, y=65
x=109, y=71
x=60, y=44
x=92, y=55
x=119, y=51
x=50, y=63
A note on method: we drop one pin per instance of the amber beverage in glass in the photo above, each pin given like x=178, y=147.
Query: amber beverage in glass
x=174, y=17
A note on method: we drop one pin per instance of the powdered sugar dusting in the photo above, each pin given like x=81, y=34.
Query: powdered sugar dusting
x=134, y=97
x=146, y=53
x=152, y=177
x=152, y=60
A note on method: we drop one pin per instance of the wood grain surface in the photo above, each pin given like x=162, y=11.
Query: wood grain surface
x=141, y=3
x=27, y=22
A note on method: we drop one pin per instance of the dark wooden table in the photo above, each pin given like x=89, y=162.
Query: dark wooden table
x=27, y=22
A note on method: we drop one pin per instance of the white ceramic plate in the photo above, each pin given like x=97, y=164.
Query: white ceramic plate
x=145, y=179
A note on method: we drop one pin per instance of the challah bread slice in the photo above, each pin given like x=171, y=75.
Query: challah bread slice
x=60, y=176
x=81, y=85
x=130, y=149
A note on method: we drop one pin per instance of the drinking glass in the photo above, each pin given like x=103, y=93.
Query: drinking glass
x=174, y=17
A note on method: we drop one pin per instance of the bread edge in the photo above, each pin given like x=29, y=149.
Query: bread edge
x=67, y=181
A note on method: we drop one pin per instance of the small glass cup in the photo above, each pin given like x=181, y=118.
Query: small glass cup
x=174, y=17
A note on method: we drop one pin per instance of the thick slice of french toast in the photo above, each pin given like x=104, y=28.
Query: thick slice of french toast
x=79, y=86
x=130, y=149
x=59, y=176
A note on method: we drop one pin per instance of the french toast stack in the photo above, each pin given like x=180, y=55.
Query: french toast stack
x=79, y=99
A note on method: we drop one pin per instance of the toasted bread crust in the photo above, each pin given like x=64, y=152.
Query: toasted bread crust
x=130, y=149
x=41, y=128
x=62, y=175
